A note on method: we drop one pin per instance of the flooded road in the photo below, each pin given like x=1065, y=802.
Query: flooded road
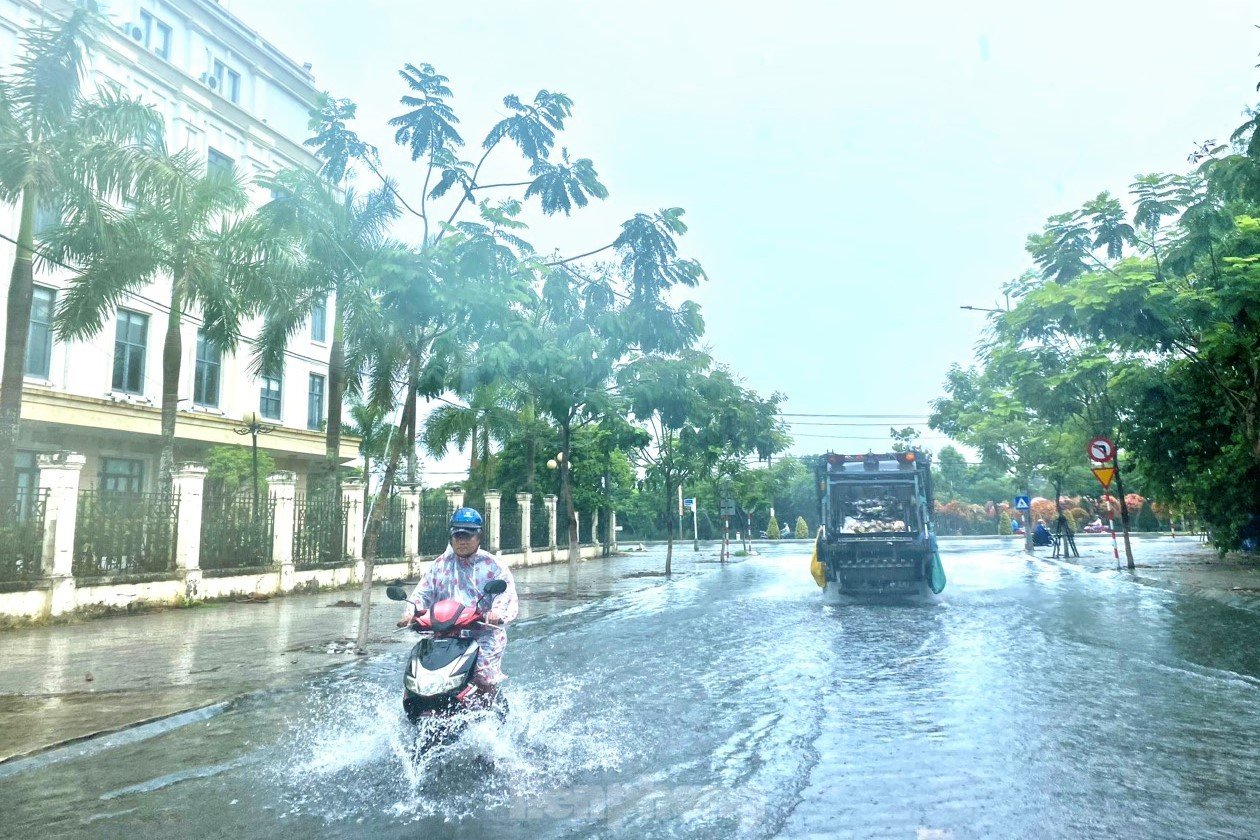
x=1029, y=700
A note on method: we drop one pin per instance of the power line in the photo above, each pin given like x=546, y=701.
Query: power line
x=922, y=417
x=814, y=423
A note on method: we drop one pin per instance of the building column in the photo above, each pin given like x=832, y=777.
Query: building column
x=411, y=526
x=525, y=501
x=595, y=527
x=59, y=477
x=188, y=484
x=352, y=503
x=454, y=499
x=494, y=519
x=612, y=531
x=550, y=501
x=284, y=493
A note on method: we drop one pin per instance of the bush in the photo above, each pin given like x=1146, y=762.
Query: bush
x=229, y=469
x=802, y=528
x=1004, y=523
x=1078, y=517
x=772, y=530
x=1146, y=520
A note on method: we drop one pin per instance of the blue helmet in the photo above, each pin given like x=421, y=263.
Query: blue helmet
x=466, y=519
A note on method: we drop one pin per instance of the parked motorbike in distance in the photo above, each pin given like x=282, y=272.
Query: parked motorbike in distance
x=437, y=681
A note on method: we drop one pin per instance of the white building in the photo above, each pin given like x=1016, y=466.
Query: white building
x=229, y=95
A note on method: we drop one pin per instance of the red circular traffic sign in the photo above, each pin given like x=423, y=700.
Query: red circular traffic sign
x=1101, y=450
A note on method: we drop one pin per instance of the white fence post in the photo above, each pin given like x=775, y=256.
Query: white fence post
x=411, y=526
x=284, y=493
x=59, y=476
x=550, y=501
x=494, y=519
x=352, y=503
x=454, y=499
x=525, y=501
x=188, y=485
x=612, y=531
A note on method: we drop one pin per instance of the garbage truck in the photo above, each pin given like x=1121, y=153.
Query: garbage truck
x=876, y=536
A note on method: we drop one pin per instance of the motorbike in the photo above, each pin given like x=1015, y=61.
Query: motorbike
x=437, y=680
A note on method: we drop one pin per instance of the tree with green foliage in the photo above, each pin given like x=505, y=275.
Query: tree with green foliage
x=230, y=470
x=186, y=224
x=772, y=529
x=61, y=152
x=802, y=529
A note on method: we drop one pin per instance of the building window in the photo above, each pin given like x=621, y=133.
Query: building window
x=130, y=340
x=157, y=35
x=39, y=336
x=269, y=394
x=315, y=403
x=319, y=321
x=229, y=81
x=46, y=218
x=122, y=475
x=206, y=375
x=216, y=161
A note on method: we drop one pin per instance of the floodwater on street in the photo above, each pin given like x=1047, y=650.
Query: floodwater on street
x=1029, y=700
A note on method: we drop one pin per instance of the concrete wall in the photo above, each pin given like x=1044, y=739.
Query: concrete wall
x=35, y=604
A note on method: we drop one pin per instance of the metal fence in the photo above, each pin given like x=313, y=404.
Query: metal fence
x=125, y=533
x=389, y=536
x=539, y=529
x=317, y=524
x=509, y=529
x=232, y=537
x=22, y=537
x=435, y=519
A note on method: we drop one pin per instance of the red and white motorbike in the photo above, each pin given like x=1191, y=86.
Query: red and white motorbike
x=437, y=682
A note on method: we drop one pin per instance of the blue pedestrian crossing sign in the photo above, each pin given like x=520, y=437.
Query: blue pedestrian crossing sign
x=1022, y=503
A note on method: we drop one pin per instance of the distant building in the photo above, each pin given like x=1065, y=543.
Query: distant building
x=228, y=95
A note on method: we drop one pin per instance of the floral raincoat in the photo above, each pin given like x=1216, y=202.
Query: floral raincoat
x=463, y=579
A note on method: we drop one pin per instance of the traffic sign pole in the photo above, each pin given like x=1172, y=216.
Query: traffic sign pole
x=695, y=524
x=726, y=537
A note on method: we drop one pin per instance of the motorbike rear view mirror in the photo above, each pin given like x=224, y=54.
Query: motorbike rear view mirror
x=396, y=593
x=495, y=587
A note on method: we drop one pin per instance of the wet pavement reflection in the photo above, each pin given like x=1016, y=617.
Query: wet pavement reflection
x=1030, y=700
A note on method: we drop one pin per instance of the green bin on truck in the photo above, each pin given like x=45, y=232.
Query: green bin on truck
x=877, y=536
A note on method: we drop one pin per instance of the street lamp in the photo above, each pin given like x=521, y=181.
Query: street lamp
x=254, y=427
x=1027, y=513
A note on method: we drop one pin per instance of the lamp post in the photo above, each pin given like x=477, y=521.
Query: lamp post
x=1028, y=531
x=254, y=427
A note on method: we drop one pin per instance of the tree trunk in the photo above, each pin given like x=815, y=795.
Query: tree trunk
x=17, y=325
x=487, y=460
x=669, y=527
x=566, y=495
x=606, y=517
x=332, y=425
x=172, y=358
x=1124, y=512
x=372, y=534
x=412, y=465
x=472, y=455
x=367, y=486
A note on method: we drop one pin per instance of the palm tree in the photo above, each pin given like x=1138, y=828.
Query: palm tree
x=369, y=424
x=58, y=151
x=188, y=229
x=488, y=416
x=339, y=236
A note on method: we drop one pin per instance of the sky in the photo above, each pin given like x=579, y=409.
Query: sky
x=852, y=173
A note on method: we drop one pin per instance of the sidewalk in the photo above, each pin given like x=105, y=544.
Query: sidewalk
x=66, y=682
x=1183, y=565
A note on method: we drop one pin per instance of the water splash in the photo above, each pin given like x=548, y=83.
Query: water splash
x=356, y=756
